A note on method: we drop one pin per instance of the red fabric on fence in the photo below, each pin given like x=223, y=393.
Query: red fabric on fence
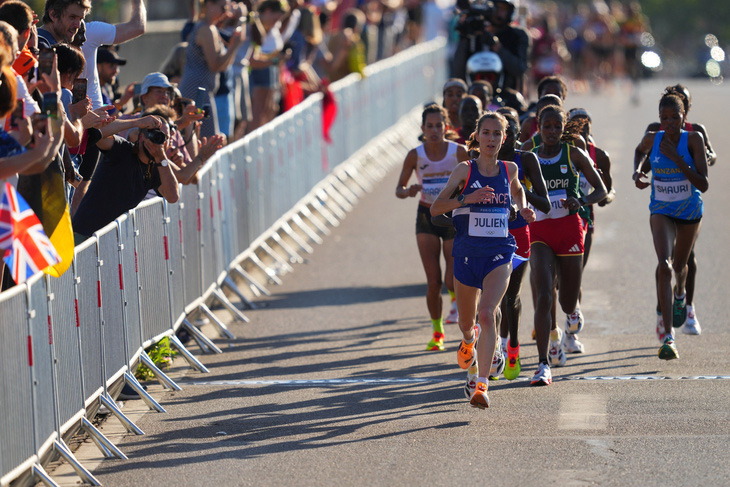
x=329, y=112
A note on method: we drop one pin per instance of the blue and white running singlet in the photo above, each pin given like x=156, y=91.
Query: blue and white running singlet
x=671, y=192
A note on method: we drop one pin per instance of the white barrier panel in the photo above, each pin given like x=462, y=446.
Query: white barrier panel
x=89, y=319
x=16, y=402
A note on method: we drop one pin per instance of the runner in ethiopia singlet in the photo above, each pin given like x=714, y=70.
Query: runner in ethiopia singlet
x=561, y=229
x=482, y=230
x=671, y=192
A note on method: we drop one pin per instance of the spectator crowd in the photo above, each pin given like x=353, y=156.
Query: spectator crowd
x=82, y=150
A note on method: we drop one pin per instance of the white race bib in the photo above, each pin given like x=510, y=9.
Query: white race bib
x=432, y=187
x=489, y=222
x=585, y=186
x=556, y=207
x=669, y=191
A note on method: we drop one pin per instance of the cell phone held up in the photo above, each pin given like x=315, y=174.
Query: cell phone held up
x=79, y=90
x=45, y=62
x=50, y=104
x=202, y=101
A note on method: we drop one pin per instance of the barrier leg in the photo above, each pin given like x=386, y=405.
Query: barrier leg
x=282, y=262
x=307, y=229
x=144, y=395
x=341, y=200
x=268, y=270
x=161, y=377
x=126, y=422
x=40, y=474
x=293, y=256
x=286, y=228
x=228, y=282
x=353, y=187
x=256, y=288
x=189, y=357
x=345, y=190
x=62, y=449
x=203, y=341
x=229, y=306
x=315, y=221
x=322, y=209
x=331, y=204
x=107, y=448
x=222, y=329
x=360, y=179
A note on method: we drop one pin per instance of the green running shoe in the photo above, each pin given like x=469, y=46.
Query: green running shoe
x=513, y=367
x=437, y=342
x=679, y=311
x=668, y=351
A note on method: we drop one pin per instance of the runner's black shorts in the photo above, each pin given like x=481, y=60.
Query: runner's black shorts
x=424, y=225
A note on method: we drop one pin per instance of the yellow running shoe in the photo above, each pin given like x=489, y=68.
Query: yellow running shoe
x=437, y=342
x=513, y=367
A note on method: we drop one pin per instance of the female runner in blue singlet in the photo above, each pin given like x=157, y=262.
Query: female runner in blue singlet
x=679, y=175
x=483, y=246
x=433, y=162
x=691, y=324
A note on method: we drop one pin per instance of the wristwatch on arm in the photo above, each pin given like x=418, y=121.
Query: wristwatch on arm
x=461, y=199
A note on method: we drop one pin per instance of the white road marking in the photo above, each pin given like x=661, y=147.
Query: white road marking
x=583, y=412
x=320, y=382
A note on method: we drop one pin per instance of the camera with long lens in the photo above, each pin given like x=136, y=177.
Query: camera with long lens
x=156, y=136
x=477, y=17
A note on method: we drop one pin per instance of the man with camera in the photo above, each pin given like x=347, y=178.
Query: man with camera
x=127, y=171
x=487, y=27
x=188, y=152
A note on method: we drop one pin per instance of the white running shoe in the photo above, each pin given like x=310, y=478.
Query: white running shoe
x=543, y=376
x=453, y=316
x=498, y=363
x=472, y=374
x=571, y=344
x=556, y=354
x=574, y=321
x=660, y=331
x=691, y=324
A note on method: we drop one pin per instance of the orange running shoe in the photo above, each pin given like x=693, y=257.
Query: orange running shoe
x=465, y=355
x=480, y=399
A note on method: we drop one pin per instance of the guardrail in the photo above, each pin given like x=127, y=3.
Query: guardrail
x=68, y=345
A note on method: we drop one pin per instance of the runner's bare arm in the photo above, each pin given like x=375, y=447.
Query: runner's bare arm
x=585, y=165
x=444, y=203
x=603, y=161
x=538, y=197
x=409, y=167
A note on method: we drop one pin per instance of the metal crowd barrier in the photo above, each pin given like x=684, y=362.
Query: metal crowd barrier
x=67, y=345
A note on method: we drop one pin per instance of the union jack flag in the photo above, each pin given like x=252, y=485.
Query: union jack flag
x=27, y=248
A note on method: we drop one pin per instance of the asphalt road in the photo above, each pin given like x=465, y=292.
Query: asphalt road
x=330, y=384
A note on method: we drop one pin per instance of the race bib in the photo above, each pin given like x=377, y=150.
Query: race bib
x=488, y=222
x=669, y=191
x=585, y=186
x=556, y=207
x=432, y=187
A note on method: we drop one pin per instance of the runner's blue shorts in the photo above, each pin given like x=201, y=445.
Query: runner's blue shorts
x=471, y=271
